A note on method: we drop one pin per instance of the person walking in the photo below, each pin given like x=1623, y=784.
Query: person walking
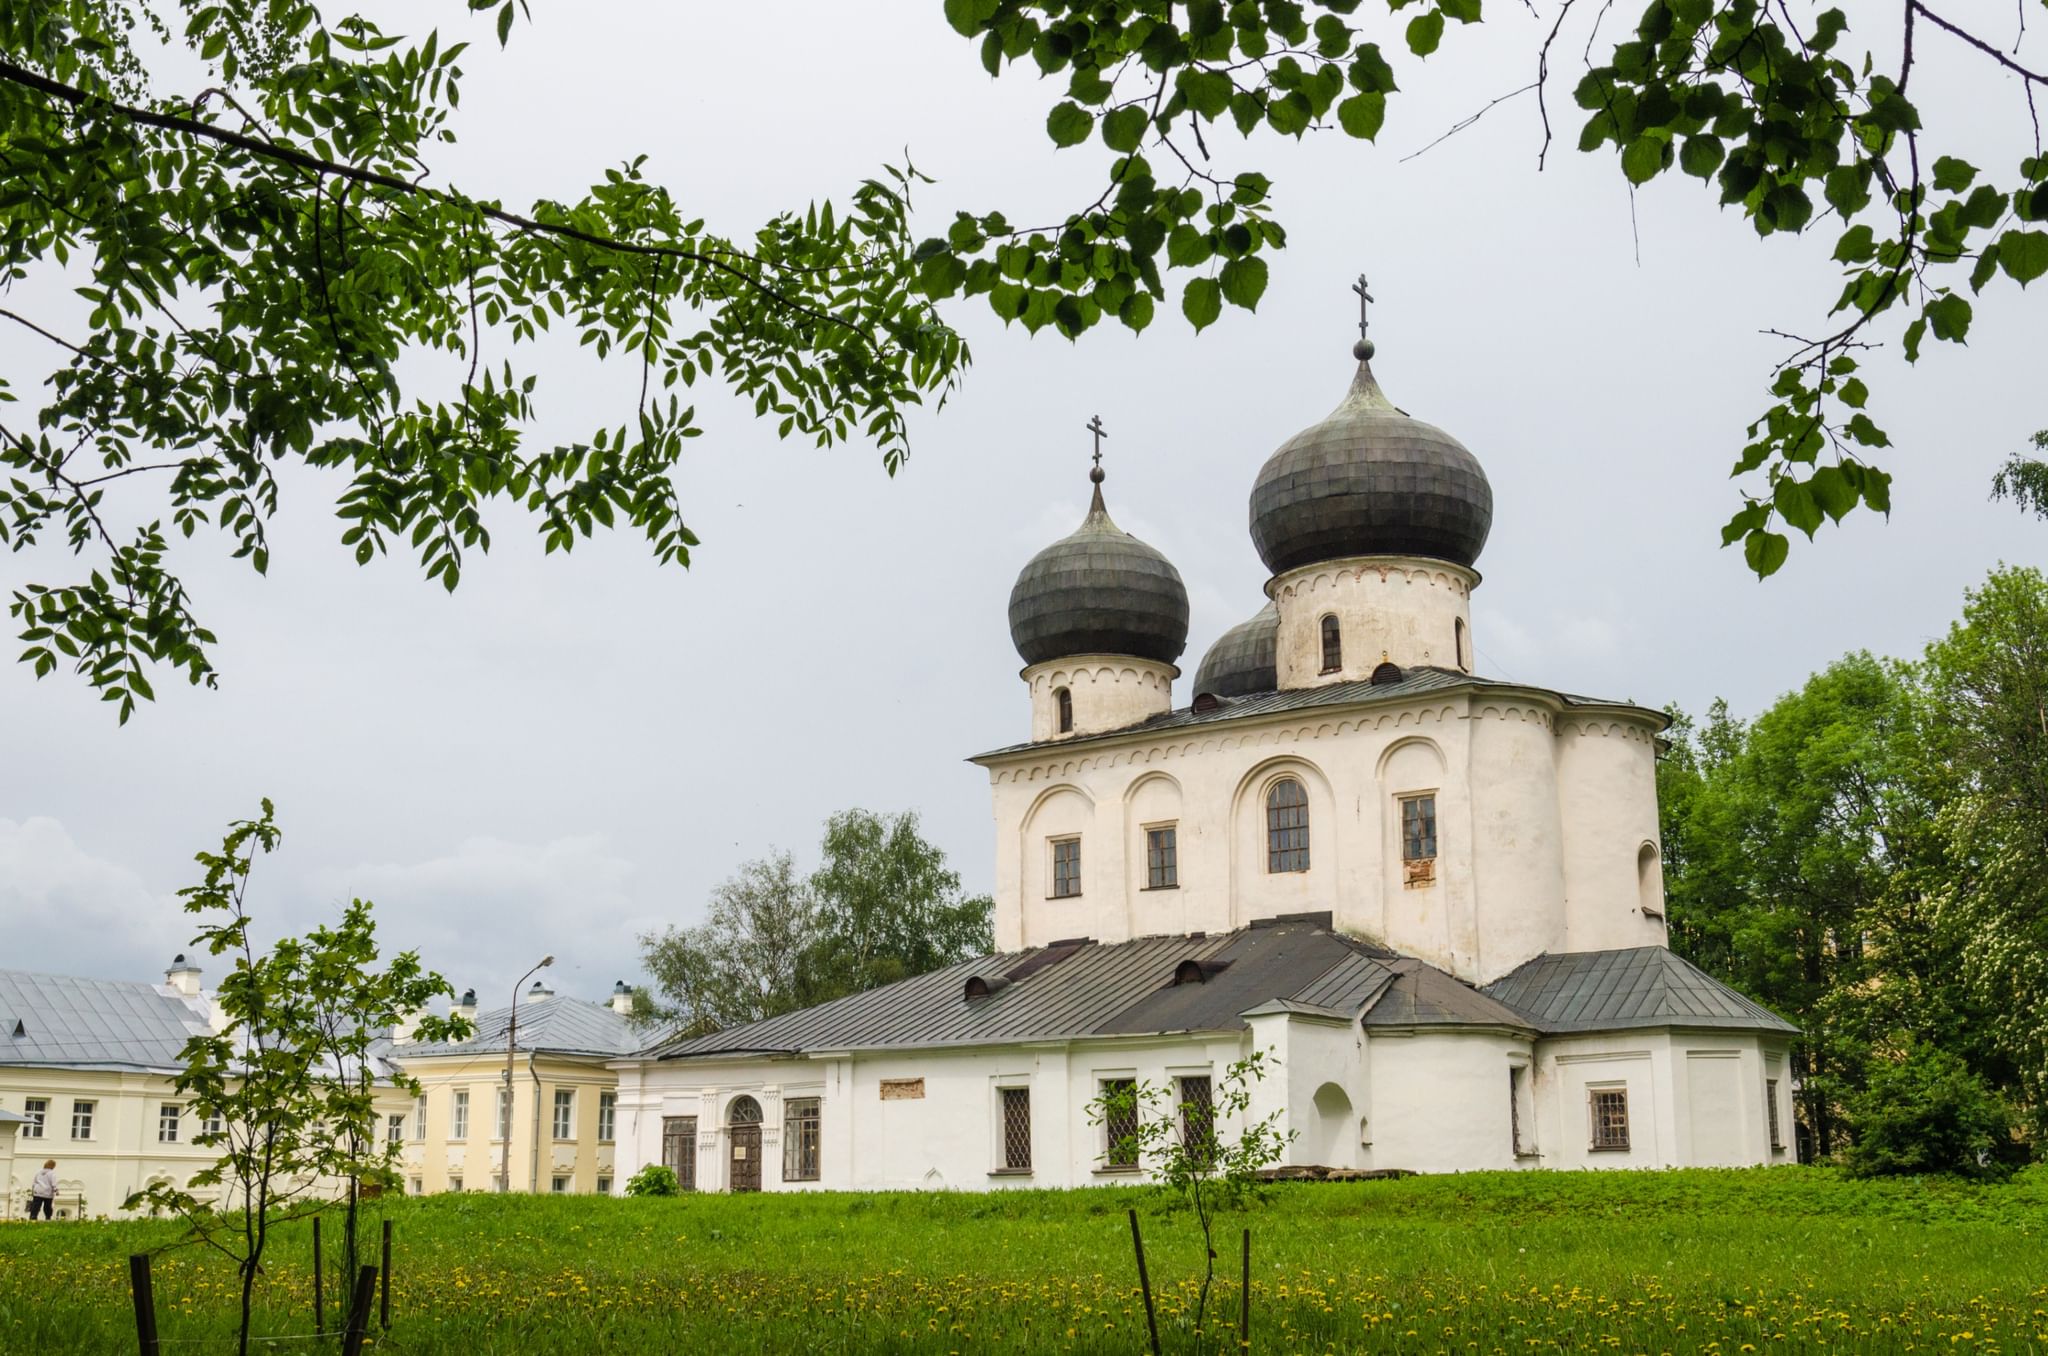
x=42, y=1192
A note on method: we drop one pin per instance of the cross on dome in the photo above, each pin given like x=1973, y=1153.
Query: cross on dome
x=1095, y=427
x=1363, y=348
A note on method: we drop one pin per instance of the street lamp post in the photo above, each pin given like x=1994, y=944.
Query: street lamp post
x=511, y=1045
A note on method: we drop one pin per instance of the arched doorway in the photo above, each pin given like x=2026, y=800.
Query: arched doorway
x=743, y=1130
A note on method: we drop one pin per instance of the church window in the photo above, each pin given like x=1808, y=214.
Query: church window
x=1066, y=868
x=1458, y=644
x=1609, y=1108
x=1198, y=1117
x=1649, y=881
x=1065, y=698
x=679, y=1149
x=1517, y=1075
x=1333, y=644
x=1771, y=1114
x=1162, y=858
x=800, y=1139
x=1418, y=828
x=1286, y=826
x=1119, y=1103
x=1015, y=1104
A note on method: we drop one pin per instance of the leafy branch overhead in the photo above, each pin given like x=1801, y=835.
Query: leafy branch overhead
x=1769, y=105
x=255, y=256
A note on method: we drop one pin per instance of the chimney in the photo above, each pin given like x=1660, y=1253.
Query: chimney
x=402, y=1029
x=539, y=992
x=183, y=977
x=622, y=999
x=465, y=1006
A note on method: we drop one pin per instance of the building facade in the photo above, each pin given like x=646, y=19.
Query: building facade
x=1429, y=899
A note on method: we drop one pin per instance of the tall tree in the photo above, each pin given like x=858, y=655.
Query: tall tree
x=2024, y=480
x=747, y=959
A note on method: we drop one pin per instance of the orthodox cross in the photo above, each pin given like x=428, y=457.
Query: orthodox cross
x=1095, y=427
x=1363, y=297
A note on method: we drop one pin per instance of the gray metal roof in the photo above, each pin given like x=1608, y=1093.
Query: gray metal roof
x=93, y=1023
x=1422, y=995
x=1099, y=590
x=1421, y=680
x=555, y=1025
x=1613, y=990
x=1244, y=660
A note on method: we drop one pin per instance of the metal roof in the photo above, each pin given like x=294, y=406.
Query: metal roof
x=93, y=1023
x=1421, y=680
x=1613, y=990
x=554, y=1025
x=1422, y=995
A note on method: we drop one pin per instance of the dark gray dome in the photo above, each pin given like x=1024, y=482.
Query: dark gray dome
x=1370, y=481
x=1242, y=661
x=1099, y=591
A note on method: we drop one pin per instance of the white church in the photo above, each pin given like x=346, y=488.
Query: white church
x=1432, y=899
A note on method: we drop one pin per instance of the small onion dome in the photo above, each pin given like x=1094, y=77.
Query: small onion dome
x=1242, y=661
x=1370, y=481
x=1099, y=591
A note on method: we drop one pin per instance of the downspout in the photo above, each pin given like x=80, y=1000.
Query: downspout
x=533, y=1177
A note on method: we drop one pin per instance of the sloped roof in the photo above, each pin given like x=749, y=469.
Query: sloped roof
x=1418, y=681
x=1422, y=995
x=1637, y=987
x=556, y=1025
x=93, y=1023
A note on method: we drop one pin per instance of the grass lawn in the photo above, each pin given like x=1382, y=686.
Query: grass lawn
x=1784, y=1259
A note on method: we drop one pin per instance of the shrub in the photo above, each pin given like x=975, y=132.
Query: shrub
x=655, y=1179
x=1928, y=1113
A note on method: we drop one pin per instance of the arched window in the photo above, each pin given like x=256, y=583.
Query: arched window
x=1286, y=826
x=1458, y=644
x=1333, y=645
x=743, y=1111
x=1649, y=881
x=1065, y=699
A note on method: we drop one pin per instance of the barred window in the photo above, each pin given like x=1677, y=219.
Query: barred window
x=565, y=1113
x=37, y=1109
x=1066, y=868
x=1120, y=1123
x=394, y=1128
x=607, y=1117
x=1286, y=827
x=1610, y=1118
x=1198, y=1117
x=679, y=1148
x=1333, y=645
x=1065, y=699
x=1418, y=828
x=1771, y=1114
x=81, y=1119
x=800, y=1139
x=1162, y=858
x=458, y=1116
x=167, y=1117
x=1016, y=1109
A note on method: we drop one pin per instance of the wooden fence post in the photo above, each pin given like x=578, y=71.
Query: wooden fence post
x=359, y=1312
x=1244, y=1299
x=145, y=1303
x=384, y=1290
x=1144, y=1283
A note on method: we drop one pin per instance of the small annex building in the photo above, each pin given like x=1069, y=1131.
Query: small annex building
x=1431, y=898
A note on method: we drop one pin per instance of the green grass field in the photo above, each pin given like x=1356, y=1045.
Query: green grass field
x=1785, y=1259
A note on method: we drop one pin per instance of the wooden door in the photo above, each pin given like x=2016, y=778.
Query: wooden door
x=746, y=1158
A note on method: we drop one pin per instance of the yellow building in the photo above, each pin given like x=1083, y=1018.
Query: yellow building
x=555, y=1130
x=88, y=1065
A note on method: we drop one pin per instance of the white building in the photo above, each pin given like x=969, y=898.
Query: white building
x=1433, y=898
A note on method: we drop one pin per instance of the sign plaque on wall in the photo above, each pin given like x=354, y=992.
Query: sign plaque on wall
x=902, y=1089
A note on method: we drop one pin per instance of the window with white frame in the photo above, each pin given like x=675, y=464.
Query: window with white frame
x=504, y=1120
x=455, y=1183
x=607, y=1117
x=413, y=1186
x=213, y=1124
x=565, y=1113
x=1013, y=1127
x=604, y=1186
x=1608, y=1110
x=679, y=1149
x=37, y=1109
x=1119, y=1124
x=800, y=1123
x=81, y=1118
x=1066, y=868
x=458, y=1119
x=1162, y=857
x=1418, y=828
x=1286, y=827
x=394, y=1128
x=419, y=1116
x=167, y=1117
x=559, y=1185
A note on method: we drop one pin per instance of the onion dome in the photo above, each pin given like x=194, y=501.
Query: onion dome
x=1370, y=481
x=1242, y=661
x=1099, y=591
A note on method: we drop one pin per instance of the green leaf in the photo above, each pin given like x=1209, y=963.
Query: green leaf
x=1244, y=281
x=1370, y=72
x=1425, y=32
x=1765, y=552
x=1751, y=518
x=1701, y=156
x=2023, y=255
x=1952, y=175
x=1854, y=393
x=1863, y=430
x=505, y=24
x=1069, y=124
x=1796, y=505
x=1362, y=114
x=1833, y=492
x=1643, y=158
x=1201, y=302
x=1949, y=317
x=1136, y=312
x=1124, y=129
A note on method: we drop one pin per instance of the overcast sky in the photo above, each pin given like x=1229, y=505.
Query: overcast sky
x=568, y=752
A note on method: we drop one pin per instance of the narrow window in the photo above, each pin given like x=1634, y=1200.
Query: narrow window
x=394, y=1128
x=800, y=1139
x=504, y=1130
x=1458, y=644
x=419, y=1117
x=412, y=1187
x=1120, y=1123
x=1066, y=700
x=167, y=1117
x=1066, y=868
x=604, y=1186
x=455, y=1183
x=1286, y=826
x=1198, y=1117
x=1515, y=1075
x=1771, y=1114
x=1610, y=1118
x=214, y=1124
x=1418, y=828
x=1016, y=1109
x=37, y=1109
x=559, y=1185
x=458, y=1117
x=1162, y=859
x=679, y=1149
x=1333, y=645
x=607, y=1117
x=565, y=1113
x=81, y=1119
x=1649, y=881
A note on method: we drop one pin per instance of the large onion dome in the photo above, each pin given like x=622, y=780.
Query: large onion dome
x=1242, y=661
x=1370, y=481
x=1099, y=591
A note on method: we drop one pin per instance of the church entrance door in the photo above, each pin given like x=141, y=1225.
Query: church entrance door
x=744, y=1131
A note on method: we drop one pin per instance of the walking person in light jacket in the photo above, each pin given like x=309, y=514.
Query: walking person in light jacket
x=42, y=1192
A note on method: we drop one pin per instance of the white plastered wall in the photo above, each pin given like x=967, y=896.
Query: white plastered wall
x=1613, y=870
x=1108, y=692
x=1388, y=608
x=1440, y=1100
